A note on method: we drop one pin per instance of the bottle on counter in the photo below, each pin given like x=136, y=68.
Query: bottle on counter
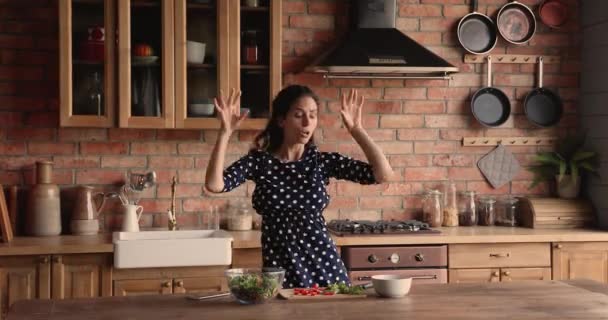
x=467, y=215
x=432, y=208
x=240, y=217
x=450, y=209
x=485, y=211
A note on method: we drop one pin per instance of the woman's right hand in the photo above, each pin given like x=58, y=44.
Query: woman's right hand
x=229, y=111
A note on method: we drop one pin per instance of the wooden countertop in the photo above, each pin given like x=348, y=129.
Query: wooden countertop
x=504, y=300
x=251, y=239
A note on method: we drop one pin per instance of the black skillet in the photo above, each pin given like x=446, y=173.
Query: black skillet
x=490, y=106
x=477, y=32
x=542, y=106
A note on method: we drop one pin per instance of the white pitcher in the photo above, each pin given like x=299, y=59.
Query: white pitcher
x=130, y=220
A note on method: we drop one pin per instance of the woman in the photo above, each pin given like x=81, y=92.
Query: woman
x=291, y=174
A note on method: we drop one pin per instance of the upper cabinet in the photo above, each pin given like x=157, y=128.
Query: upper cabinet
x=87, y=63
x=164, y=61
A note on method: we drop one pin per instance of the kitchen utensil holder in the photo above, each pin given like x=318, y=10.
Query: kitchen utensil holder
x=508, y=141
x=511, y=58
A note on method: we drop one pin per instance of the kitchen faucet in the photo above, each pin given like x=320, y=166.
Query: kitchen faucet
x=172, y=221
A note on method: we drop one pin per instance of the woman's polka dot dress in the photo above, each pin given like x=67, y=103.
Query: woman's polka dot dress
x=291, y=197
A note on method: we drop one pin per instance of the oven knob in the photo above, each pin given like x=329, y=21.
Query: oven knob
x=419, y=257
x=394, y=258
x=372, y=258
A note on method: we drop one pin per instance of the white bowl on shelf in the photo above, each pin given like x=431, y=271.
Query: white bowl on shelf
x=195, y=52
x=203, y=108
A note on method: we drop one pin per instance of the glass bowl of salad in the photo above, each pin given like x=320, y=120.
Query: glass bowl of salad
x=250, y=286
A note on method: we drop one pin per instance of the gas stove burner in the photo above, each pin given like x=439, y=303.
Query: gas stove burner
x=380, y=227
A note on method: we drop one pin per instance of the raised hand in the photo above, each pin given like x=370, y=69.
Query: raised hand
x=229, y=111
x=352, y=104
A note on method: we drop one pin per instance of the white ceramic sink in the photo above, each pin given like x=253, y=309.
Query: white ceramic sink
x=150, y=249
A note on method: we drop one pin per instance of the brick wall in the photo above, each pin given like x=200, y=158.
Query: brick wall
x=419, y=124
x=594, y=93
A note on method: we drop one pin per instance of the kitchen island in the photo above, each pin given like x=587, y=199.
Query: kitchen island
x=580, y=299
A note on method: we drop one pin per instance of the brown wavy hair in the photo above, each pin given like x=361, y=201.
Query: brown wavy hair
x=271, y=138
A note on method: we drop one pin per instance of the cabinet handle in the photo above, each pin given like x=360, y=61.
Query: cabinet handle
x=180, y=283
x=558, y=246
x=44, y=260
x=167, y=284
x=495, y=274
x=507, y=273
x=499, y=255
x=56, y=259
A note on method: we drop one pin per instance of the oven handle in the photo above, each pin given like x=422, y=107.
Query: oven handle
x=425, y=277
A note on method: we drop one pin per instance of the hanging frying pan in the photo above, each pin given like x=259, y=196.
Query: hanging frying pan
x=490, y=106
x=516, y=22
x=477, y=32
x=542, y=106
x=553, y=13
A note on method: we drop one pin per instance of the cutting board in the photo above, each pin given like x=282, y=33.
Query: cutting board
x=288, y=294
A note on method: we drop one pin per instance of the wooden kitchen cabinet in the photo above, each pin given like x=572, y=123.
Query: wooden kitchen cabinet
x=247, y=258
x=81, y=276
x=23, y=278
x=147, y=281
x=498, y=275
x=580, y=260
x=156, y=91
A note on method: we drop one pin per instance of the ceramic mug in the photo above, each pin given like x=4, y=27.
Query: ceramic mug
x=130, y=220
x=195, y=52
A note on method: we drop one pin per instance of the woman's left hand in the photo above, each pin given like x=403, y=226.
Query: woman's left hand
x=352, y=104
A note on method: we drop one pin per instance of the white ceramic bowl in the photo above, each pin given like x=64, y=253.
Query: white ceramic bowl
x=195, y=52
x=392, y=286
x=201, y=109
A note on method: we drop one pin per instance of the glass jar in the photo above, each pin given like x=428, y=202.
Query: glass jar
x=485, y=211
x=450, y=209
x=507, y=213
x=240, y=218
x=431, y=209
x=467, y=215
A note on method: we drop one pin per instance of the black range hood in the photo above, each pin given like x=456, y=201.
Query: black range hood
x=375, y=48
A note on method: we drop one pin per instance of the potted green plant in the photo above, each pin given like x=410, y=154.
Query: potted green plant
x=565, y=164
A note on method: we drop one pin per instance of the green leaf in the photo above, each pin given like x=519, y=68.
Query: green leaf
x=548, y=158
x=562, y=171
x=574, y=172
x=583, y=155
x=587, y=166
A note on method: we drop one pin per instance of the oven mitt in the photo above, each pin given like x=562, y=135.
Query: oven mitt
x=499, y=166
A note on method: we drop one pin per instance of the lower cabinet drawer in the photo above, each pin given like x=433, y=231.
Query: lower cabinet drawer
x=499, y=255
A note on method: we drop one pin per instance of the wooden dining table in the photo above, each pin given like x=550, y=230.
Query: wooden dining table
x=580, y=299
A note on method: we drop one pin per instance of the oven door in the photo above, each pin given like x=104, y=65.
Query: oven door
x=419, y=275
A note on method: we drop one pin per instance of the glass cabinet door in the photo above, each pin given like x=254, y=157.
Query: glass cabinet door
x=87, y=62
x=146, y=78
x=201, y=61
x=259, y=56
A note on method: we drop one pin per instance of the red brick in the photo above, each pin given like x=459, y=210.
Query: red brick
x=322, y=7
x=433, y=147
x=483, y=187
x=19, y=162
x=380, y=202
x=424, y=107
x=123, y=162
x=551, y=40
x=518, y=80
x=387, y=83
x=397, y=189
x=181, y=190
x=131, y=134
x=75, y=162
x=458, y=134
x=203, y=205
x=438, y=24
x=350, y=83
x=469, y=80
x=12, y=148
x=381, y=134
x=407, y=24
x=335, y=135
x=104, y=148
x=155, y=205
x=410, y=160
x=349, y=189
x=395, y=147
x=23, y=103
x=148, y=148
x=172, y=162
x=425, y=174
x=465, y=174
x=178, y=135
x=11, y=119
x=10, y=177
x=453, y=160
x=343, y=203
x=165, y=176
x=446, y=121
x=31, y=134
x=42, y=119
x=62, y=177
x=294, y=7
x=372, y=215
x=456, y=11
x=44, y=148
x=459, y=107
x=414, y=10
x=100, y=176
x=18, y=73
x=417, y=134
x=16, y=41
x=191, y=176
x=201, y=162
x=449, y=93
x=326, y=93
x=523, y=188
x=312, y=22
x=401, y=121
x=405, y=93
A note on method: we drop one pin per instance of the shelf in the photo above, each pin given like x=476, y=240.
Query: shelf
x=145, y=3
x=254, y=67
x=510, y=58
x=201, y=66
x=254, y=9
x=200, y=6
x=508, y=141
x=87, y=63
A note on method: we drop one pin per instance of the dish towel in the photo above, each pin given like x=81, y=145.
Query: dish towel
x=499, y=166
